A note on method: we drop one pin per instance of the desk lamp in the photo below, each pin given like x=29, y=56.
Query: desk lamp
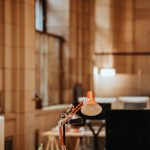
x=88, y=107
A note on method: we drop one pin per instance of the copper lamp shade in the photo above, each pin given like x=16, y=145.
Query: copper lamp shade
x=91, y=108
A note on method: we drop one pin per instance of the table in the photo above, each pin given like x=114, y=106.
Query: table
x=78, y=133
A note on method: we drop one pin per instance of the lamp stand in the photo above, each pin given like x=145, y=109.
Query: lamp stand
x=64, y=136
x=63, y=120
x=63, y=127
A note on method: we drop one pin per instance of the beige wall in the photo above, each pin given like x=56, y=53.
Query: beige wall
x=81, y=42
x=142, y=40
x=17, y=63
x=18, y=71
x=123, y=26
x=17, y=75
x=1, y=51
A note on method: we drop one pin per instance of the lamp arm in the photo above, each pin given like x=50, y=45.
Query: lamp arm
x=62, y=122
x=75, y=110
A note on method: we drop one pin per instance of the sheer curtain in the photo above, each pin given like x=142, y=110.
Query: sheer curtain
x=48, y=68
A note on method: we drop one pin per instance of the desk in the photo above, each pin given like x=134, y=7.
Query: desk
x=54, y=133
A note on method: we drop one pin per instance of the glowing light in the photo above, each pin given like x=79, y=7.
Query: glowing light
x=107, y=72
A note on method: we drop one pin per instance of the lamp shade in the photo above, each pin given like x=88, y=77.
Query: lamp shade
x=91, y=108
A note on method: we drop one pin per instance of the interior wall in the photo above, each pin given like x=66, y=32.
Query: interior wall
x=81, y=43
x=17, y=75
x=18, y=71
x=118, y=85
x=114, y=30
x=142, y=40
x=123, y=26
x=17, y=63
x=1, y=52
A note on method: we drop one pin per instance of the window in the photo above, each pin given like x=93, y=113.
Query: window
x=48, y=68
x=39, y=15
x=49, y=21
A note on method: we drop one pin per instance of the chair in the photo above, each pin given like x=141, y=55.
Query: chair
x=92, y=124
x=128, y=130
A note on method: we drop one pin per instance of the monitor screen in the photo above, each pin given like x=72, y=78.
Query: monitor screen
x=128, y=130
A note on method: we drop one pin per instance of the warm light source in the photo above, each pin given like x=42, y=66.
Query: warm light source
x=91, y=108
x=107, y=72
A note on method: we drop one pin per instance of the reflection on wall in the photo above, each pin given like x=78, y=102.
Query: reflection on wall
x=114, y=30
x=123, y=26
x=135, y=83
x=118, y=85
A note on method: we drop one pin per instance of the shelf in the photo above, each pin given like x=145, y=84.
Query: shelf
x=122, y=53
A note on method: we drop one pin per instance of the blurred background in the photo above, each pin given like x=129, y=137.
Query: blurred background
x=53, y=51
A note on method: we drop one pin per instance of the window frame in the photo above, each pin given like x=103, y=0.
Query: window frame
x=38, y=86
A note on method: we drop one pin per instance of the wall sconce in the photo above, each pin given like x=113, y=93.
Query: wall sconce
x=107, y=72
